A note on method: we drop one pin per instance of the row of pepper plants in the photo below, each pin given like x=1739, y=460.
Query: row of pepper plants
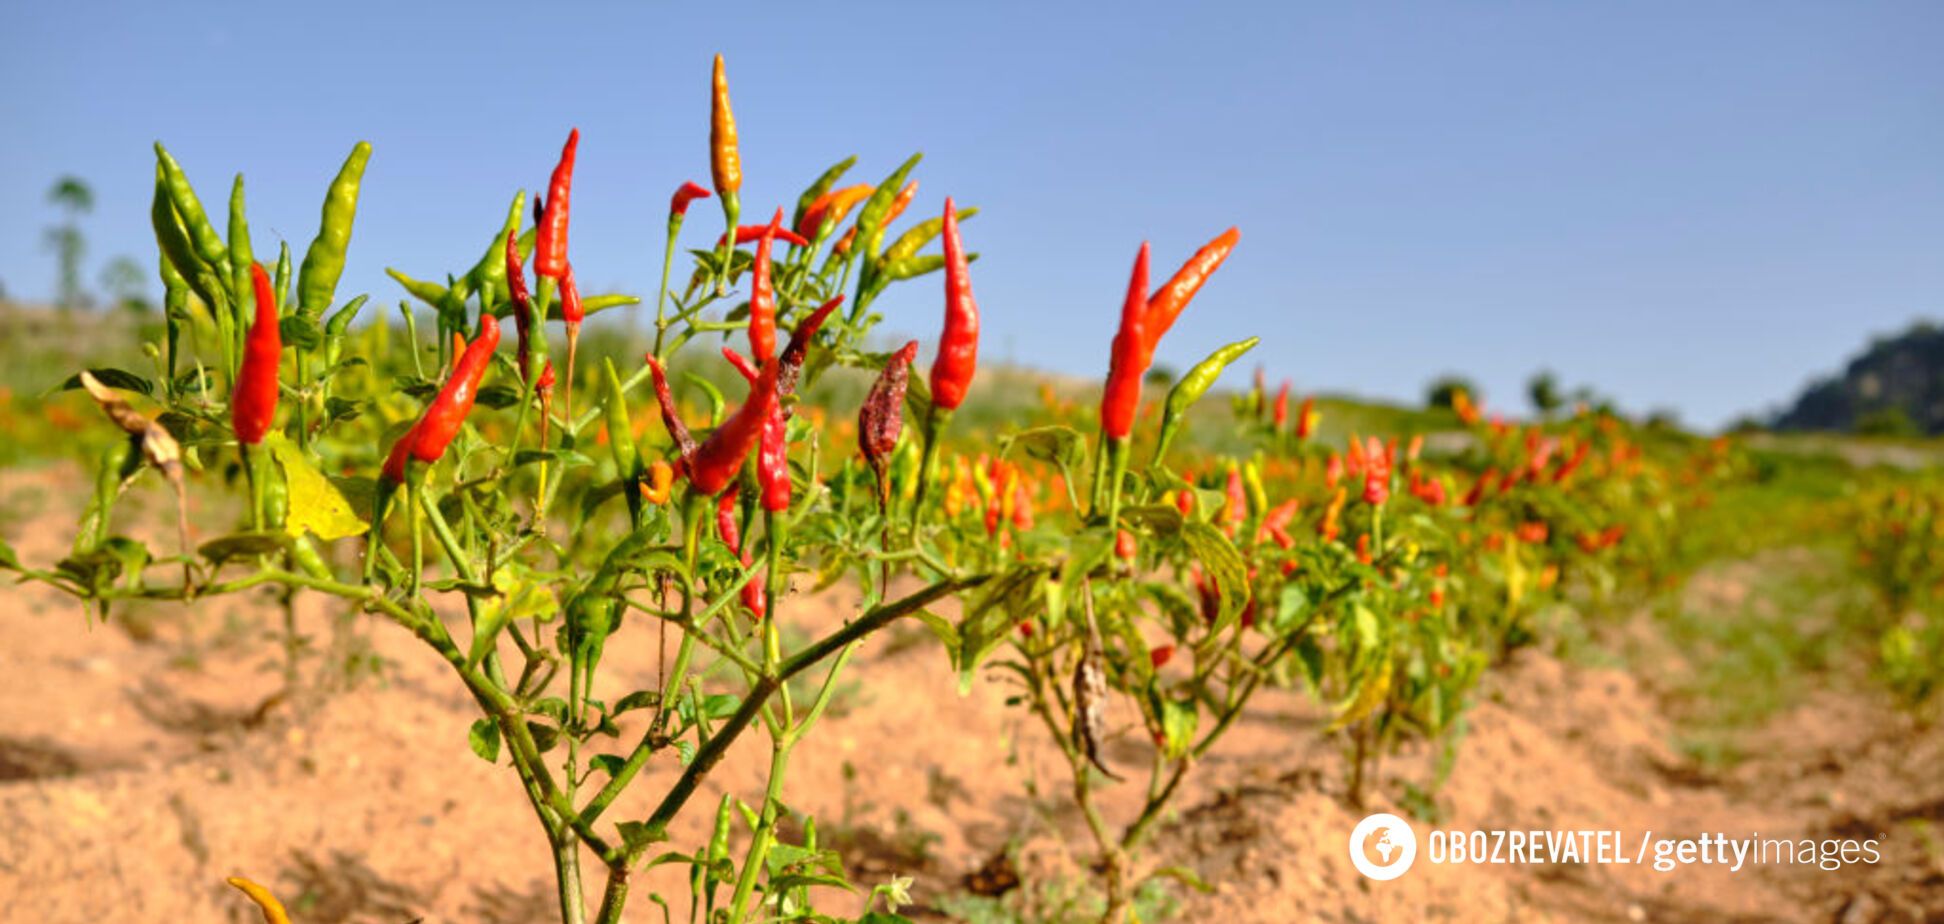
x=1136, y=593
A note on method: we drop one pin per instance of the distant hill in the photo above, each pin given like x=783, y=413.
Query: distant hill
x=1895, y=388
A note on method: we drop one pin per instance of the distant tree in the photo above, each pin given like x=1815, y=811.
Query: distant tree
x=1887, y=421
x=1160, y=375
x=1664, y=419
x=73, y=197
x=1444, y=388
x=125, y=282
x=1543, y=390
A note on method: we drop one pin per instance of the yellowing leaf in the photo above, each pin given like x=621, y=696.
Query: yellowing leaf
x=316, y=505
x=1376, y=686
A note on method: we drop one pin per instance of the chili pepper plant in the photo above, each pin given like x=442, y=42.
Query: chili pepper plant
x=430, y=477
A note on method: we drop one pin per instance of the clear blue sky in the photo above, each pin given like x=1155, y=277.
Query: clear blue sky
x=1688, y=205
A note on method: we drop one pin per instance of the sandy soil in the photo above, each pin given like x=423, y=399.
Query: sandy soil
x=145, y=758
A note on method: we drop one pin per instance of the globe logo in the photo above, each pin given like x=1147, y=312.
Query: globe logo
x=1382, y=846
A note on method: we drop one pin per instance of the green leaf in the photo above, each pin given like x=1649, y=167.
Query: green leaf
x=790, y=881
x=566, y=458
x=552, y=707
x=1185, y=876
x=1224, y=564
x=8, y=559
x=1178, y=721
x=498, y=395
x=637, y=835
x=721, y=705
x=1061, y=446
x=1163, y=519
x=1090, y=549
x=639, y=699
x=113, y=378
x=1292, y=605
x=243, y=545
x=544, y=736
x=609, y=764
x=338, y=407
x=485, y=740
x=315, y=504
x=300, y=332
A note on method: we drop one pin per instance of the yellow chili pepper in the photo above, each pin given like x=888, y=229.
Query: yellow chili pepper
x=273, y=910
x=725, y=162
x=661, y=479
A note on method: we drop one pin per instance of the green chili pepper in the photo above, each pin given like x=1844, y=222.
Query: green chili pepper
x=909, y=243
x=430, y=293
x=335, y=328
x=488, y=276
x=627, y=463
x=240, y=255
x=276, y=492
x=719, y=841
x=282, y=280
x=109, y=471
x=824, y=181
x=175, y=302
x=870, y=219
x=1192, y=386
x=324, y=261
x=189, y=208
x=177, y=250
x=907, y=268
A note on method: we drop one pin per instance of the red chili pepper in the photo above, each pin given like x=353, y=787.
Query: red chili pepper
x=1125, y=547
x=1306, y=419
x=1572, y=463
x=1282, y=406
x=672, y=418
x=726, y=528
x=427, y=440
x=1477, y=493
x=773, y=462
x=1130, y=358
x=882, y=415
x=1377, y=472
x=1363, y=549
x=898, y=205
x=762, y=297
x=570, y=301
x=1160, y=656
x=678, y=205
x=522, y=310
x=1022, y=507
x=253, y=401
x=721, y=456
x=1275, y=523
x=794, y=353
x=1168, y=302
x=752, y=592
x=832, y=207
x=748, y=233
x=550, y=237
x=1235, y=505
x=747, y=371
x=958, y=346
